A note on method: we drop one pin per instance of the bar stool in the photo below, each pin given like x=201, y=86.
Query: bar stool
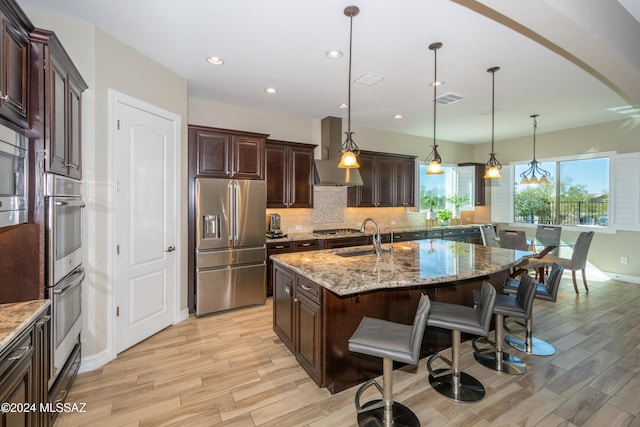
x=452, y=382
x=519, y=306
x=391, y=341
x=549, y=292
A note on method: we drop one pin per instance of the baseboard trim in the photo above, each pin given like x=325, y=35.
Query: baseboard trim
x=622, y=277
x=94, y=361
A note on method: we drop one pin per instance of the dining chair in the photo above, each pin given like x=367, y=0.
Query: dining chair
x=549, y=235
x=513, y=239
x=488, y=233
x=578, y=260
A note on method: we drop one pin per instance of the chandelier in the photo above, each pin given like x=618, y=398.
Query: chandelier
x=433, y=160
x=492, y=169
x=349, y=148
x=534, y=165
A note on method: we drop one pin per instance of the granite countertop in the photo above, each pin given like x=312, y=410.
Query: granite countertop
x=292, y=237
x=16, y=316
x=419, y=262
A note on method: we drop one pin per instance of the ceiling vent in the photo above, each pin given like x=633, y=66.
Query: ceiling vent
x=369, y=79
x=447, y=98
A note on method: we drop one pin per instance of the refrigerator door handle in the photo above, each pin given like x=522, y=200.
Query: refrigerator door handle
x=232, y=206
x=236, y=214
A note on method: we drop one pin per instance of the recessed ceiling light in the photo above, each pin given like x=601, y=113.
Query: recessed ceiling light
x=397, y=116
x=271, y=90
x=343, y=105
x=215, y=60
x=333, y=54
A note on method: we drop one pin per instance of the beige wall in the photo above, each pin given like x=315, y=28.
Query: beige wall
x=105, y=63
x=620, y=136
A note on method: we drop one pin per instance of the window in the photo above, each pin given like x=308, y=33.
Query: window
x=578, y=194
x=455, y=181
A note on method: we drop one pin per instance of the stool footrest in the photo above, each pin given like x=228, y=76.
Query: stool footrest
x=361, y=389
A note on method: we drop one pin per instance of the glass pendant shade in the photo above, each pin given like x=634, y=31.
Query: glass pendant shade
x=492, y=172
x=348, y=160
x=434, y=168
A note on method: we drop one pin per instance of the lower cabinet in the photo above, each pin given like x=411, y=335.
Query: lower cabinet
x=274, y=248
x=22, y=382
x=297, y=319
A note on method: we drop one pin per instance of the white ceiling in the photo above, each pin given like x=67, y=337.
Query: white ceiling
x=548, y=66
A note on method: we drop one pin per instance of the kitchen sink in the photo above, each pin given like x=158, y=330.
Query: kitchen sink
x=361, y=252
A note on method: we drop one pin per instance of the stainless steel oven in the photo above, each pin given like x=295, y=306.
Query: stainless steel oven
x=13, y=178
x=66, y=303
x=64, y=205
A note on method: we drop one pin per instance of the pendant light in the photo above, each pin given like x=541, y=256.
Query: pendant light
x=493, y=167
x=534, y=165
x=433, y=160
x=349, y=148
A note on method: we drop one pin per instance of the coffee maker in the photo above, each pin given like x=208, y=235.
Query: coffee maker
x=273, y=227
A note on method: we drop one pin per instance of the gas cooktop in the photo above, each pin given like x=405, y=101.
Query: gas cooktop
x=337, y=232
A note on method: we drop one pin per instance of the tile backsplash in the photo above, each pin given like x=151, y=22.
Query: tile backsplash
x=331, y=211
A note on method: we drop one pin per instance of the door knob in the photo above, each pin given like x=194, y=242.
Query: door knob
x=171, y=249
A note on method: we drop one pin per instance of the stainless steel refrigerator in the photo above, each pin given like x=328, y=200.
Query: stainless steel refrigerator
x=230, y=244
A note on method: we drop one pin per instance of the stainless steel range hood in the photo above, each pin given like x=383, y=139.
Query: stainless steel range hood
x=327, y=171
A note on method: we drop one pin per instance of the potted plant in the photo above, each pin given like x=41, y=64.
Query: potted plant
x=431, y=202
x=444, y=216
x=457, y=200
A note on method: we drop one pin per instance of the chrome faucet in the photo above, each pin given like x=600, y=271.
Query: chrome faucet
x=377, y=241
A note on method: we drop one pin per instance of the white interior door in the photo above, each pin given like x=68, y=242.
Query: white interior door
x=146, y=260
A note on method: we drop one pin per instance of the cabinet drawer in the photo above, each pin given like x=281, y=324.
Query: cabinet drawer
x=20, y=349
x=434, y=234
x=346, y=242
x=415, y=235
x=306, y=245
x=309, y=289
x=279, y=247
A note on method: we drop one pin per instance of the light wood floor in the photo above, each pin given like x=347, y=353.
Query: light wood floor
x=231, y=370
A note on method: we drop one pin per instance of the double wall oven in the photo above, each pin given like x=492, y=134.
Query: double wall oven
x=64, y=205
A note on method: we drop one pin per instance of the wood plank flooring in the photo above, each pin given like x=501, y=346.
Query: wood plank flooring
x=230, y=369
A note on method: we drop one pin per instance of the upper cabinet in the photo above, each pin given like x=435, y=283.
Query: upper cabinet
x=387, y=181
x=221, y=153
x=289, y=174
x=62, y=93
x=473, y=182
x=14, y=65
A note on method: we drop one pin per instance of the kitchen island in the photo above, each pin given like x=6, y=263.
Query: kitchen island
x=321, y=296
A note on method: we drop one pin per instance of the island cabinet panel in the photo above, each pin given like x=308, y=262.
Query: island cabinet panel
x=222, y=153
x=283, y=309
x=274, y=248
x=323, y=322
x=289, y=174
x=387, y=181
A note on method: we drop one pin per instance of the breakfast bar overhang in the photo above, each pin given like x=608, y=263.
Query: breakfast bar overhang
x=320, y=297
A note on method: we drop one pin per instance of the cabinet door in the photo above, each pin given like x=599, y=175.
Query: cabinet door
x=248, y=157
x=308, y=336
x=283, y=290
x=213, y=153
x=301, y=179
x=57, y=93
x=405, y=176
x=14, y=73
x=366, y=195
x=277, y=176
x=385, y=181
x=74, y=141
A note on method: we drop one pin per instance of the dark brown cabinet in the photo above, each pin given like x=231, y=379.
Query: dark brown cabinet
x=22, y=380
x=274, y=248
x=387, y=181
x=297, y=319
x=222, y=153
x=289, y=174
x=14, y=65
x=63, y=87
x=479, y=186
